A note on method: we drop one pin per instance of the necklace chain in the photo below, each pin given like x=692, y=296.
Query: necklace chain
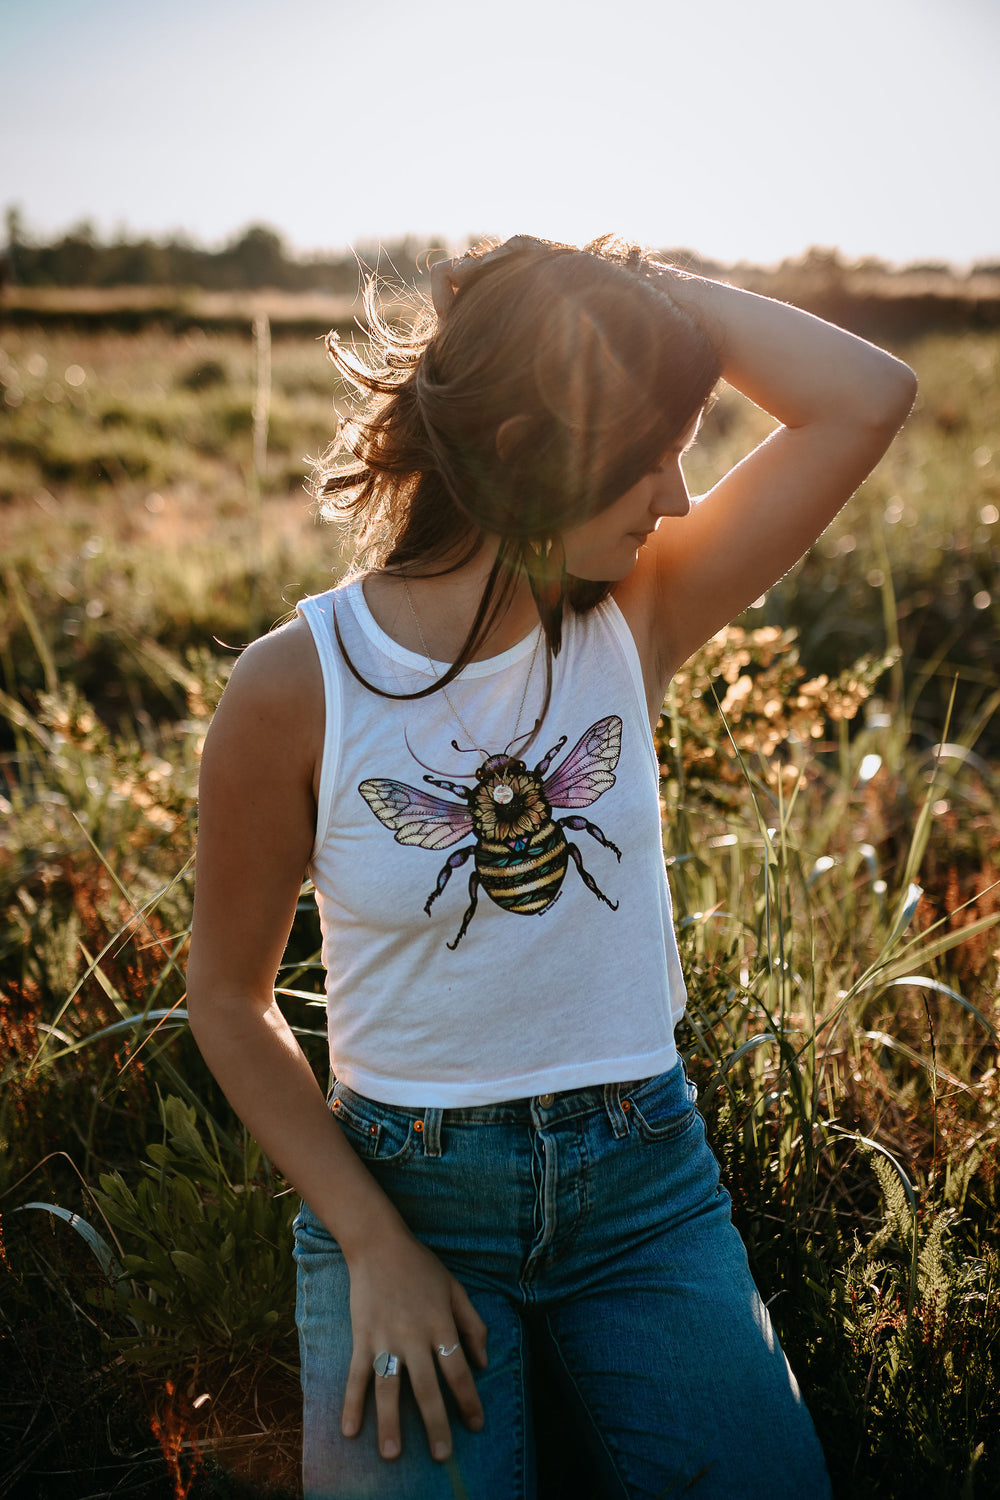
x=447, y=696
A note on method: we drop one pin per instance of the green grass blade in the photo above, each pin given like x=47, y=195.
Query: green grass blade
x=105, y=1256
x=883, y=1039
x=923, y=981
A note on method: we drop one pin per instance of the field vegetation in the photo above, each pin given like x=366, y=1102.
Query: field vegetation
x=829, y=777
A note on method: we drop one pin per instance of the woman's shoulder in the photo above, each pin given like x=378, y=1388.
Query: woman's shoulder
x=277, y=681
x=284, y=660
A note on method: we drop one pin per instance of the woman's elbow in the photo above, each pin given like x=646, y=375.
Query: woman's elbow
x=898, y=390
x=198, y=1006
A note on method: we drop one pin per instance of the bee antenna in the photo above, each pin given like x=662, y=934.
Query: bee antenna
x=416, y=757
x=529, y=735
x=475, y=750
x=423, y=763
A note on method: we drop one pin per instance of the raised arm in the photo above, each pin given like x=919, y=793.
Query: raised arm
x=256, y=829
x=840, y=401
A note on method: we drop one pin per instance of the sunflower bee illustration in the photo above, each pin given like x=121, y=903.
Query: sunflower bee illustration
x=521, y=851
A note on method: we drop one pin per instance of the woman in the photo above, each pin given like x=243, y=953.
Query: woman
x=456, y=741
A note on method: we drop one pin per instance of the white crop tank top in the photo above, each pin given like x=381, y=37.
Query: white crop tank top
x=496, y=937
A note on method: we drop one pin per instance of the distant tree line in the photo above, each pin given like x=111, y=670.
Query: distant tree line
x=256, y=257
x=867, y=296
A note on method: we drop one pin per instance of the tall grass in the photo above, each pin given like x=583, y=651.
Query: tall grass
x=843, y=1026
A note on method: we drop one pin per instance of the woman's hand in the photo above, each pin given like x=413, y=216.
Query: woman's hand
x=449, y=276
x=404, y=1302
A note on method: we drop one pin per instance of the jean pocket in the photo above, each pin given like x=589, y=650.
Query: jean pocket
x=377, y=1132
x=664, y=1107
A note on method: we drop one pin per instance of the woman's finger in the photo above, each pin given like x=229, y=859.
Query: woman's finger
x=447, y=276
x=519, y=242
x=426, y=1387
x=442, y=287
x=358, y=1376
x=387, y=1413
x=454, y=1367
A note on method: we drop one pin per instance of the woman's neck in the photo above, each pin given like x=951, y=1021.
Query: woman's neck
x=432, y=615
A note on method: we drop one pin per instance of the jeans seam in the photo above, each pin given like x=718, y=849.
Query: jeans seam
x=585, y=1408
x=521, y=1459
x=559, y=1242
x=304, y=1322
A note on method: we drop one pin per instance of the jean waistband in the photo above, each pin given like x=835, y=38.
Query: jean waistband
x=612, y=1099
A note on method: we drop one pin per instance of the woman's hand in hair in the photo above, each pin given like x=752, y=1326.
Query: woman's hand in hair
x=404, y=1300
x=838, y=402
x=449, y=276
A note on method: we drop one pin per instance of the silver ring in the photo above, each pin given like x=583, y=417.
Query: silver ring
x=445, y=1352
x=385, y=1364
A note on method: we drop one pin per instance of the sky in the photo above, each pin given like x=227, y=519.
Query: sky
x=741, y=131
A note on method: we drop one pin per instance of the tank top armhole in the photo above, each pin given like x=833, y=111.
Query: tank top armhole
x=619, y=627
x=317, y=611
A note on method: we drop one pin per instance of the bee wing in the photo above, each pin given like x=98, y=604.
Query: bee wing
x=586, y=771
x=416, y=817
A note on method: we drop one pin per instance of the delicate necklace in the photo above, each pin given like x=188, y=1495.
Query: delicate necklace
x=447, y=697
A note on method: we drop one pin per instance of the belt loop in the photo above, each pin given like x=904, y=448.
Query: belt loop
x=432, y=1132
x=616, y=1115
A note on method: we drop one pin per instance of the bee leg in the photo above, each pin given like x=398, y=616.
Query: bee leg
x=582, y=826
x=470, y=913
x=585, y=875
x=457, y=859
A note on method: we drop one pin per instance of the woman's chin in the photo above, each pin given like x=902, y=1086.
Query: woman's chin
x=611, y=567
x=607, y=574
x=614, y=568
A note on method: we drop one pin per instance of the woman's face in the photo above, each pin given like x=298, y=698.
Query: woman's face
x=606, y=547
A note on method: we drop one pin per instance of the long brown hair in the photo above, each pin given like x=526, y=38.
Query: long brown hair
x=596, y=373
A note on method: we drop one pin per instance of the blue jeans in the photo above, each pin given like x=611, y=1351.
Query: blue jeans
x=590, y=1230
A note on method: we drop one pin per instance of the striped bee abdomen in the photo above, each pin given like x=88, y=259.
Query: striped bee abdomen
x=524, y=875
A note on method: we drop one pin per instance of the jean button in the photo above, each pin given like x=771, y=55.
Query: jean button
x=546, y=1101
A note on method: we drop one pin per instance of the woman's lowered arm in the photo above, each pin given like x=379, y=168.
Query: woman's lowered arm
x=256, y=829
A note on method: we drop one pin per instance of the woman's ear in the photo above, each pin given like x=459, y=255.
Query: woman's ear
x=511, y=434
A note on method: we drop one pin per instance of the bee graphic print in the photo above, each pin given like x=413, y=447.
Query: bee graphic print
x=521, y=851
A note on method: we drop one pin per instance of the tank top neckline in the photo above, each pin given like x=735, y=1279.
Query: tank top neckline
x=416, y=661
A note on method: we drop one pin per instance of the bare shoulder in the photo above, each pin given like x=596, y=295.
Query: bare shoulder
x=280, y=671
x=274, y=698
x=283, y=662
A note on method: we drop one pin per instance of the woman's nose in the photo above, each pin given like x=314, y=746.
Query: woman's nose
x=670, y=495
